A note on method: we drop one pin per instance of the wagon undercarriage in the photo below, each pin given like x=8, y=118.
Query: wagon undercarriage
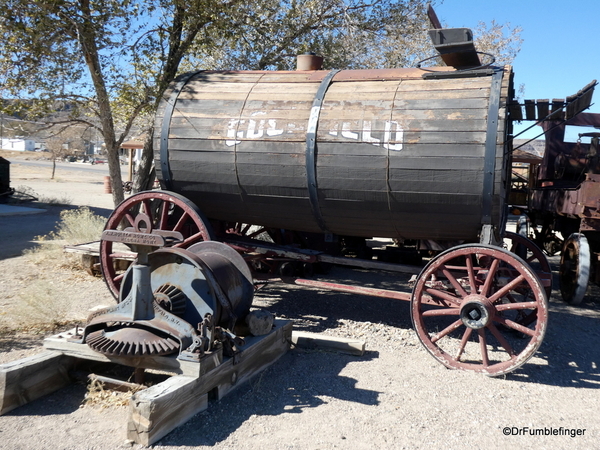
x=475, y=307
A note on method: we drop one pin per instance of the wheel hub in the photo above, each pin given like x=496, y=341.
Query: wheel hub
x=476, y=311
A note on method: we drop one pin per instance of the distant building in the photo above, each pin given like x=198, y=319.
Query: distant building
x=19, y=145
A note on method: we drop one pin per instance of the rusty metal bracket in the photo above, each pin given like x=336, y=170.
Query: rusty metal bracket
x=311, y=149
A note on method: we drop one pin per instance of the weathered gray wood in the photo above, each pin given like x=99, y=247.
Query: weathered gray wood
x=380, y=136
x=558, y=113
x=543, y=107
x=60, y=343
x=28, y=379
x=530, y=109
x=156, y=411
x=303, y=339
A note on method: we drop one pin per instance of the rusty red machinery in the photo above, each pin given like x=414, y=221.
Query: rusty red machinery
x=564, y=195
x=273, y=176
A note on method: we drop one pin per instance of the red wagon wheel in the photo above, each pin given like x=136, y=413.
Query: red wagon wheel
x=167, y=211
x=479, y=308
x=528, y=250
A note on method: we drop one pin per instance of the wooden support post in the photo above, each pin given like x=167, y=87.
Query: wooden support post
x=30, y=378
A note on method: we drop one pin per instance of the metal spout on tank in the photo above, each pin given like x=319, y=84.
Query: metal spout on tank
x=309, y=61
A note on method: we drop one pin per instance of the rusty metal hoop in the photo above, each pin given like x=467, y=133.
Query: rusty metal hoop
x=533, y=255
x=479, y=308
x=575, y=266
x=167, y=211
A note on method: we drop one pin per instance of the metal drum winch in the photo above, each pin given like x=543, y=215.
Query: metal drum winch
x=172, y=300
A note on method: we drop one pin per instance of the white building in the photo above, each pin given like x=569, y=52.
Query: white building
x=20, y=145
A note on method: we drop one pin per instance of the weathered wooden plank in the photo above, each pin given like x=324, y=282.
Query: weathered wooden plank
x=28, y=379
x=60, y=343
x=408, y=150
x=375, y=131
x=543, y=108
x=558, y=113
x=530, y=109
x=160, y=409
x=434, y=164
x=304, y=339
x=156, y=411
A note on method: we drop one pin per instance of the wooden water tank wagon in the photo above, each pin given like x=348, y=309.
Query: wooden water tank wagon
x=310, y=158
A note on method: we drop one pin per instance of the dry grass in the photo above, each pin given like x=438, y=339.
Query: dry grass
x=77, y=226
x=97, y=396
x=42, y=307
x=42, y=303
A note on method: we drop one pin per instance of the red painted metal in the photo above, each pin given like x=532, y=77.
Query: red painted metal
x=168, y=211
x=483, y=289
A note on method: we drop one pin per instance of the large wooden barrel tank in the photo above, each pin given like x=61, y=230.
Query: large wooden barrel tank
x=389, y=153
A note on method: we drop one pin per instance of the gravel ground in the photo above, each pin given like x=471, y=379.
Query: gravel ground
x=395, y=396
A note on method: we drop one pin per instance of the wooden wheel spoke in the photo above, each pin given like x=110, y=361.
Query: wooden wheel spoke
x=119, y=277
x=130, y=219
x=519, y=305
x=506, y=289
x=461, y=291
x=164, y=215
x=441, y=312
x=449, y=329
x=181, y=222
x=443, y=295
x=463, y=342
x=485, y=360
x=471, y=274
x=503, y=342
x=190, y=240
x=516, y=326
x=490, y=277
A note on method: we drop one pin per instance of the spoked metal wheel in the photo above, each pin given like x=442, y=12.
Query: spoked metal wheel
x=479, y=308
x=528, y=250
x=574, y=272
x=167, y=211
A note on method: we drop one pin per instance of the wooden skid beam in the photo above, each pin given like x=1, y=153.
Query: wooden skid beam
x=156, y=411
x=303, y=339
x=30, y=378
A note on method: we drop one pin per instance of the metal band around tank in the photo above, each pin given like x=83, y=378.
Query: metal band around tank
x=311, y=147
x=489, y=163
x=165, y=167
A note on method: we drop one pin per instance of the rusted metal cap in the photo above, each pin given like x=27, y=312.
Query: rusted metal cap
x=309, y=61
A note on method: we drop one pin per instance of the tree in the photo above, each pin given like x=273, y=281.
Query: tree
x=70, y=54
x=108, y=62
x=65, y=142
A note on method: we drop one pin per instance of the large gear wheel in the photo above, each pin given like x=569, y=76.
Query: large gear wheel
x=131, y=340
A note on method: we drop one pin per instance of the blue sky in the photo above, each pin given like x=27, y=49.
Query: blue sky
x=560, y=53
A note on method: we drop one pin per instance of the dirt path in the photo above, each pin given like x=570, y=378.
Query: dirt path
x=395, y=396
